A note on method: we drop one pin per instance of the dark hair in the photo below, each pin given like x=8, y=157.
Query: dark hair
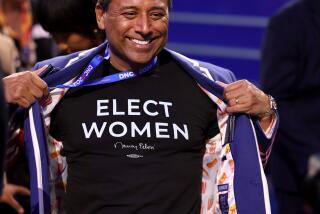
x=105, y=3
x=66, y=16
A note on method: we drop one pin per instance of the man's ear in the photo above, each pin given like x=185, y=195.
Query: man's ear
x=100, y=17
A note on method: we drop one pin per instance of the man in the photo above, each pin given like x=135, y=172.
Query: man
x=138, y=144
x=290, y=73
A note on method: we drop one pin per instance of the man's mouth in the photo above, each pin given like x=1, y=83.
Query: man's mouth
x=140, y=42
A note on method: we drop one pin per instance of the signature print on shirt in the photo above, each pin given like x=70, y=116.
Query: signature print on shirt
x=136, y=147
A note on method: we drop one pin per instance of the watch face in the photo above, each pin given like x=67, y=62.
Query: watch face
x=273, y=103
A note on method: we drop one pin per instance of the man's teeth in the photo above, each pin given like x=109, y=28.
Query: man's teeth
x=144, y=42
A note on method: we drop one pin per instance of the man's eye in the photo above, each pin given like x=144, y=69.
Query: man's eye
x=156, y=15
x=129, y=15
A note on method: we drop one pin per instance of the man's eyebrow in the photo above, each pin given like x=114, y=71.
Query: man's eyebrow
x=158, y=8
x=136, y=8
x=128, y=7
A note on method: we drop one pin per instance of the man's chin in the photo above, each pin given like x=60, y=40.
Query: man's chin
x=141, y=61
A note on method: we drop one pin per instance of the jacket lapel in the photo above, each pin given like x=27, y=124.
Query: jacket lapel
x=198, y=72
x=248, y=176
x=75, y=68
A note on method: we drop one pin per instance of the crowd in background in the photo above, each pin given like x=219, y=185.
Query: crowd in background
x=23, y=42
x=17, y=46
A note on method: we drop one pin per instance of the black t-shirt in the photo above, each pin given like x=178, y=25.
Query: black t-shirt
x=135, y=146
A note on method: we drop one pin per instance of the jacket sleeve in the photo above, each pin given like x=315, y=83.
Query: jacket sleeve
x=266, y=138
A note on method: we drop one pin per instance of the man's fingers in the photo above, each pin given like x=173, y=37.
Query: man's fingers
x=238, y=108
x=236, y=94
x=40, y=84
x=37, y=93
x=221, y=84
x=231, y=90
x=244, y=97
x=27, y=85
x=9, y=191
x=25, y=95
x=40, y=70
x=13, y=203
x=22, y=190
x=239, y=104
x=24, y=103
x=238, y=85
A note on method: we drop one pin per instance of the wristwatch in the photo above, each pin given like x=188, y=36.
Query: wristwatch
x=272, y=110
x=273, y=104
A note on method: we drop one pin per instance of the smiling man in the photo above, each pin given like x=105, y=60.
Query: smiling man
x=136, y=31
x=145, y=129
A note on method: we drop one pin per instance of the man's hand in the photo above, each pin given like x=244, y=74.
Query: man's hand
x=24, y=88
x=8, y=193
x=245, y=97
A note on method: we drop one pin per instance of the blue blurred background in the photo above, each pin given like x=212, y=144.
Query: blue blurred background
x=228, y=33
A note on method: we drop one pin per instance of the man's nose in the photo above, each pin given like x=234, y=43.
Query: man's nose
x=143, y=25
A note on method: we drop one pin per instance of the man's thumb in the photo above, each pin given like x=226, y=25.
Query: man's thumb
x=44, y=70
x=221, y=84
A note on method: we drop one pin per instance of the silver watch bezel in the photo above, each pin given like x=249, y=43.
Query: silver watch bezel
x=273, y=103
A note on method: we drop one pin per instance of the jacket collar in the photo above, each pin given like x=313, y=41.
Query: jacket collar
x=74, y=69
x=194, y=68
x=198, y=72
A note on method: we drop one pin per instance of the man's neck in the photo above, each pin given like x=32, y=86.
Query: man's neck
x=126, y=66
x=119, y=66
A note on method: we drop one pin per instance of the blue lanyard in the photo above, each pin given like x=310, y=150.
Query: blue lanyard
x=95, y=62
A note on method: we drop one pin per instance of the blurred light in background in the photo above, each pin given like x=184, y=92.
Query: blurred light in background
x=228, y=33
